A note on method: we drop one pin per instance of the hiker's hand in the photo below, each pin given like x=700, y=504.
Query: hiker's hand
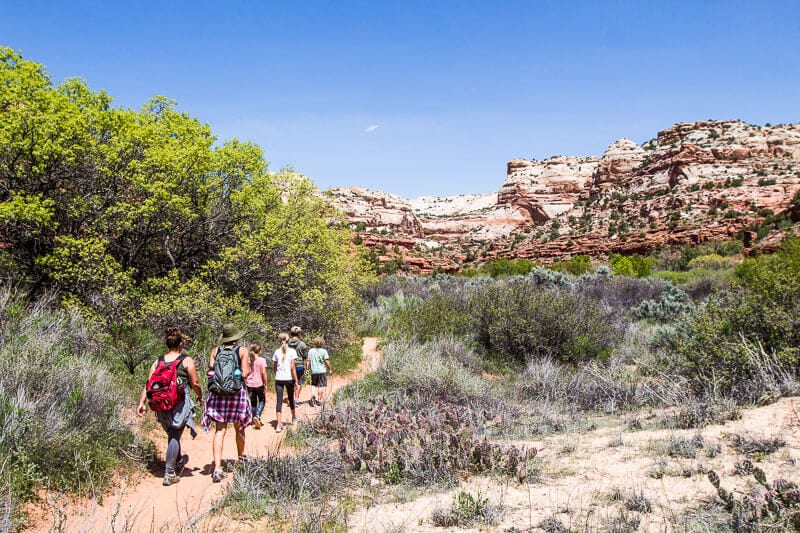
x=140, y=410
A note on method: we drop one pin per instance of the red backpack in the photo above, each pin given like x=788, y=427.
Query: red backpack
x=163, y=391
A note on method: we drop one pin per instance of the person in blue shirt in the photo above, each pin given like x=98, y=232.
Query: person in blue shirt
x=320, y=368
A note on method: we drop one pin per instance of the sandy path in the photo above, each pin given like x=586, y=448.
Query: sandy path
x=143, y=504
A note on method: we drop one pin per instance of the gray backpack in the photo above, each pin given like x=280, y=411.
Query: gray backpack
x=225, y=381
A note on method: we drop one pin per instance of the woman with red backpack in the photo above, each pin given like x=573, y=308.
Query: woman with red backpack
x=165, y=393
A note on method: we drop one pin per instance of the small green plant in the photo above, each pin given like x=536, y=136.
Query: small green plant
x=467, y=509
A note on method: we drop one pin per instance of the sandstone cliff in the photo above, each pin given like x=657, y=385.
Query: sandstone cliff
x=692, y=183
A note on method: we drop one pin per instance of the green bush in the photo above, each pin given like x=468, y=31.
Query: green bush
x=521, y=322
x=441, y=315
x=577, y=265
x=631, y=265
x=718, y=340
x=507, y=267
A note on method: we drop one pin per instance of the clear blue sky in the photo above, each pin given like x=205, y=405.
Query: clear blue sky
x=423, y=96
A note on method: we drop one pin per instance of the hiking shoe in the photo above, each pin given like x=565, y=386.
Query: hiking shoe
x=294, y=421
x=257, y=422
x=217, y=476
x=278, y=429
x=180, y=464
x=170, y=479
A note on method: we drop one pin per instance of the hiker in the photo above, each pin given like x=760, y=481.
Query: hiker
x=176, y=419
x=302, y=359
x=256, y=383
x=227, y=400
x=320, y=368
x=283, y=363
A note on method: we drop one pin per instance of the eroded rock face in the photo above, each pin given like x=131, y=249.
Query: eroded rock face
x=618, y=163
x=694, y=182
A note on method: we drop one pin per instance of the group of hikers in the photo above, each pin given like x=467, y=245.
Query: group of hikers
x=237, y=380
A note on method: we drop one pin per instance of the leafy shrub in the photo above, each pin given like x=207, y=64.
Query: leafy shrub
x=577, y=265
x=523, y=323
x=507, y=267
x=746, y=342
x=440, y=315
x=632, y=265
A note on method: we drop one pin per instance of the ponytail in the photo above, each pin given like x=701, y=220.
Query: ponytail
x=284, y=339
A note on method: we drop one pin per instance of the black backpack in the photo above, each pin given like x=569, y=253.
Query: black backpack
x=225, y=382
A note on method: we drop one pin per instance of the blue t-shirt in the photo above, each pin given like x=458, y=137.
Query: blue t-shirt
x=317, y=357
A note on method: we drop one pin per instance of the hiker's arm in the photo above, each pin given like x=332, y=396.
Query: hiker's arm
x=194, y=381
x=141, y=409
x=328, y=366
x=294, y=373
x=264, y=377
x=244, y=357
x=212, y=357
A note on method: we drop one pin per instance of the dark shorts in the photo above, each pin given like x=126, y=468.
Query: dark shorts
x=319, y=380
x=301, y=373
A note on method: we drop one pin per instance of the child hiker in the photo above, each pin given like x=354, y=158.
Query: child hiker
x=320, y=368
x=257, y=382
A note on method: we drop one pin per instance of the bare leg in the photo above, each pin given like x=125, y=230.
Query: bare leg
x=219, y=438
x=239, y=439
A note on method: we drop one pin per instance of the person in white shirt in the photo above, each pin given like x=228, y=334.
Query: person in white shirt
x=285, y=377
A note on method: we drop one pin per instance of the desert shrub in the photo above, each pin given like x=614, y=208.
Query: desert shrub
x=700, y=411
x=577, y=265
x=623, y=294
x=712, y=262
x=507, y=267
x=444, y=367
x=439, y=315
x=467, y=509
x=630, y=265
x=746, y=342
x=595, y=386
x=515, y=319
x=670, y=304
x=548, y=279
x=756, y=446
x=263, y=484
x=685, y=447
x=60, y=424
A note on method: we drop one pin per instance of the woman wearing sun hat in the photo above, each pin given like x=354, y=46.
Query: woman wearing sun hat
x=222, y=409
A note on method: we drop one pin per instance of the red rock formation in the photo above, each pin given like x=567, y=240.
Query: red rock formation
x=694, y=182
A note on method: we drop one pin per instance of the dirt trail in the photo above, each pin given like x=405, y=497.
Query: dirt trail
x=143, y=504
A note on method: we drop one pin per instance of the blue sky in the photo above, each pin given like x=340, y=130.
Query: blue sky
x=426, y=97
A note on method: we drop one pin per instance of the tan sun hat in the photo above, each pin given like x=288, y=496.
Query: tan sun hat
x=230, y=333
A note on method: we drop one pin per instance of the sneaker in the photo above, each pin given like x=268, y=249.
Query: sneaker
x=257, y=422
x=217, y=476
x=313, y=402
x=278, y=429
x=170, y=479
x=180, y=464
x=294, y=421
